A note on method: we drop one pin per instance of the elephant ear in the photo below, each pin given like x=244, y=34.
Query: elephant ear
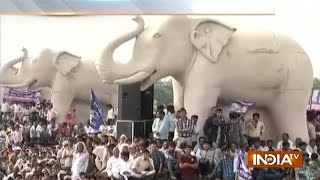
x=65, y=62
x=209, y=37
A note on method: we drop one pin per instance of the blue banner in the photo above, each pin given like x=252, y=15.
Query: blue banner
x=22, y=95
x=96, y=112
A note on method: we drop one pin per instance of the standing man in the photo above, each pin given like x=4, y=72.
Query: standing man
x=254, y=129
x=210, y=127
x=16, y=109
x=184, y=127
x=161, y=126
x=171, y=116
x=5, y=110
x=214, y=127
x=110, y=113
x=51, y=113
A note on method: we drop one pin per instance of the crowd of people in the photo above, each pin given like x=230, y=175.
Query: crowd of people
x=34, y=146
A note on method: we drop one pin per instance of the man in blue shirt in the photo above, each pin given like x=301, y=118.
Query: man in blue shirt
x=161, y=126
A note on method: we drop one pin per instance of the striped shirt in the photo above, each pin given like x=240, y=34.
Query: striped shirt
x=184, y=127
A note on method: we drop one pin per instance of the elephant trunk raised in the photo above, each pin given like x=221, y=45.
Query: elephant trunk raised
x=106, y=61
x=9, y=76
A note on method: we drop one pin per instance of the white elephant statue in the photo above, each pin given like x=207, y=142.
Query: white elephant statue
x=69, y=77
x=209, y=59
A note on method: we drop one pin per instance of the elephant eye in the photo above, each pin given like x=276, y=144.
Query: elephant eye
x=156, y=35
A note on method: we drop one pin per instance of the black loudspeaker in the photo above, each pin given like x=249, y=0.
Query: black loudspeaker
x=125, y=127
x=135, y=111
x=147, y=103
x=138, y=128
x=129, y=101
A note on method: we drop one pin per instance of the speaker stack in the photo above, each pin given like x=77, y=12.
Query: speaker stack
x=135, y=111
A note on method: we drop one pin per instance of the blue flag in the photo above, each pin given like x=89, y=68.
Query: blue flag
x=242, y=171
x=96, y=112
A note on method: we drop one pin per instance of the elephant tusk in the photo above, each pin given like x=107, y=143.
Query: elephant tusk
x=133, y=79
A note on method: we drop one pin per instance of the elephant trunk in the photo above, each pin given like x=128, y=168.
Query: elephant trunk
x=107, y=66
x=8, y=72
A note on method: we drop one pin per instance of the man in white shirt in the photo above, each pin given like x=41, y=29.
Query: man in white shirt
x=171, y=117
x=4, y=138
x=51, y=113
x=53, y=128
x=254, y=129
x=5, y=110
x=60, y=151
x=88, y=129
x=285, y=138
x=113, y=165
x=107, y=154
x=161, y=126
x=311, y=127
x=194, y=136
x=34, y=108
x=98, y=151
x=110, y=113
x=17, y=135
x=126, y=164
x=143, y=167
x=35, y=131
x=103, y=128
x=312, y=148
x=112, y=129
x=16, y=109
x=26, y=113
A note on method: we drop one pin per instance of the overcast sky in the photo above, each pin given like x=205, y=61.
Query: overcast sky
x=87, y=36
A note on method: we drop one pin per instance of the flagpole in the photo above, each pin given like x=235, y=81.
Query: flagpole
x=236, y=176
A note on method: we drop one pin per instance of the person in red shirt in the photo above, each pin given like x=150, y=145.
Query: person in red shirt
x=71, y=116
x=188, y=165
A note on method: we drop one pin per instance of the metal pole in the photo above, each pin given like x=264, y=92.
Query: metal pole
x=145, y=128
x=132, y=130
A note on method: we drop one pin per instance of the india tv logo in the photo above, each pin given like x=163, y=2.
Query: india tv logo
x=275, y=159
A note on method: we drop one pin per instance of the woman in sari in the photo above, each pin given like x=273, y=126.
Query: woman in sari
x=80, y=161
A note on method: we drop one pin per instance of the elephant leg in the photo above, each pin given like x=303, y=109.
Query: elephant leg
x=199, y=101
x=178, y=94
x=62, y=97
x=289, y=114
x=61, y=103
x=114, y=100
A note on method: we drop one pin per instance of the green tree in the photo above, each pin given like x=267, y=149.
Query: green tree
x=163, y=92
x=316, y=83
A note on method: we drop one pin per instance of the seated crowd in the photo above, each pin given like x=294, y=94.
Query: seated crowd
x=34, y=147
